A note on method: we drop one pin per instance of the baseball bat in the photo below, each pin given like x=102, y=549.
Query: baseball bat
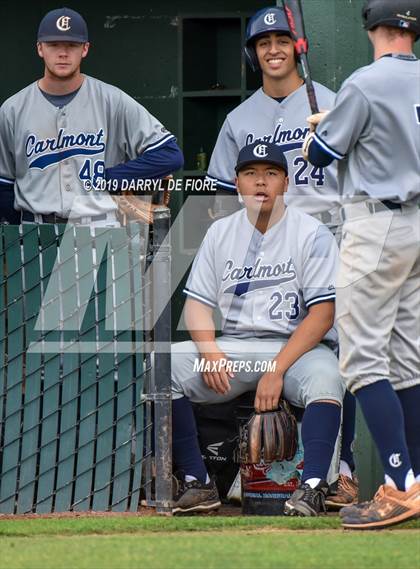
x=294, y=15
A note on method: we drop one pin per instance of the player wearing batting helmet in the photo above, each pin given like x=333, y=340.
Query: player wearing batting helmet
x=277, y=113
x=378, y=294
x=403, y=14
x=64, y=138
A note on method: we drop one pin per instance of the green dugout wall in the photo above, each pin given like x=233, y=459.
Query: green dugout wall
x=183, y=61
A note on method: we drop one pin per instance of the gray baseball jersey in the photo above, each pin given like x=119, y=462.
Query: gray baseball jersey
x=50, y=153
x=264, y=284
x=261, y=117
x=374, y=130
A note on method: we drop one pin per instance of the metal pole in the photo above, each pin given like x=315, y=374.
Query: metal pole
x=162, y=360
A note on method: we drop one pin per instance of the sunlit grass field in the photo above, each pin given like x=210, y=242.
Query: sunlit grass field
x=207, y=542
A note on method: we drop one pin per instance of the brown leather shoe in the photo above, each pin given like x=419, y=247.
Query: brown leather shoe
x=388, y=507
x=347, y=493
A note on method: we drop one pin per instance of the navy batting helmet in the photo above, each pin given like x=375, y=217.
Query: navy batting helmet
x=404, y=14
x=267, y=20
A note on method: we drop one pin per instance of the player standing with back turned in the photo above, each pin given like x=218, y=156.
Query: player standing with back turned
x=374, y=132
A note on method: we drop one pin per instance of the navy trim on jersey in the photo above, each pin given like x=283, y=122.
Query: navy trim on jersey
x=319, y=299
x=327, y=148
x=317, y=155
x=160, y=142
x=417, y=112
x=221, y=184
x=202, y=299
x=6, y=181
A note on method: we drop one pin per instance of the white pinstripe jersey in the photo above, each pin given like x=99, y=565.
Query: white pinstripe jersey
x=264, y=284
x=49, y=153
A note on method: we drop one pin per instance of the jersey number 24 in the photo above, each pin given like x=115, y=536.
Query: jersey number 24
x=301, y=174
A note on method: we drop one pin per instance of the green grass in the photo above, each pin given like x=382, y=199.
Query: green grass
x=133, y=524
x=203, y=542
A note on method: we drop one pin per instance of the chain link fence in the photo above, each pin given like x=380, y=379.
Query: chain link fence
x=78, y=308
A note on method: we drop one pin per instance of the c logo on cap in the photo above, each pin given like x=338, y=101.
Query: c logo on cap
x=395, y=460
x=270, y=19
x=260, y=151
x=63, y=23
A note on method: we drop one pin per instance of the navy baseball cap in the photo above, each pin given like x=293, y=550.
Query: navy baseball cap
x=63, y=24
x=265, y=152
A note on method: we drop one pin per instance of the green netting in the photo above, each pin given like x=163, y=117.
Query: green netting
x=71, y=367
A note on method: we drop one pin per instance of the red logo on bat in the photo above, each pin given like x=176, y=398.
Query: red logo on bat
x=301, y=43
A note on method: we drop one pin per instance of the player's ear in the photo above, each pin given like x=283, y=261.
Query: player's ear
x=286, y=184
x=237, y=185
x=85, y=51
x=39, y=49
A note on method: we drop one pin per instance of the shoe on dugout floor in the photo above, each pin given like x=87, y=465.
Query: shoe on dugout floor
x=388, y=507
x=195, y=496
x=345, y=511
x=346, y=495
x=307, y=501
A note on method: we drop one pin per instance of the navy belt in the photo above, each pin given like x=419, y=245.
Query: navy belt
x=373, y=206
x=387, y=204
x=391, y=205
x=54, y=218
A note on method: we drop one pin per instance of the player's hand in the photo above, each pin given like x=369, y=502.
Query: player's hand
x=269, y=391
x=306, y=144
x=219, y=379
x=314, y=120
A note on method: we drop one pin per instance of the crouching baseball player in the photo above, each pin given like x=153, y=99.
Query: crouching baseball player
x=270, y=270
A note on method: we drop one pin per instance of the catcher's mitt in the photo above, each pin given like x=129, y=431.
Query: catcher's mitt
x=272, y=435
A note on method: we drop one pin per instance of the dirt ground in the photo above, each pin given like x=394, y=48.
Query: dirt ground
x=225, y=510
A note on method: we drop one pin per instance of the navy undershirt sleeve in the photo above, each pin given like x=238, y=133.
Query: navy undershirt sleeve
x=7, y=198
x=152, y=164
x=318, y=156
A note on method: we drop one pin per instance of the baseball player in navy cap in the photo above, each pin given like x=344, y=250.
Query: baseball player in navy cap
x=270, y=270
x=63, y=24
x=65, y=136
x=277, y=113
